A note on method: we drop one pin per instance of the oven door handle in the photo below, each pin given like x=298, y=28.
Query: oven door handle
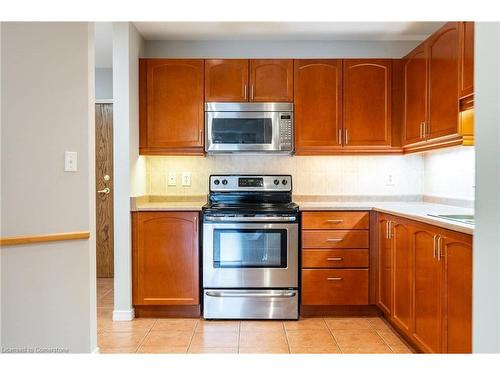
x=251, y=218
x=253, y=295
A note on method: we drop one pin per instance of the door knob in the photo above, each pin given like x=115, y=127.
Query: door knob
x=106, y=190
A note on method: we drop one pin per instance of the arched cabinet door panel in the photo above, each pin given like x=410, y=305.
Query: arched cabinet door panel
x=226, y=80
x=271, y=80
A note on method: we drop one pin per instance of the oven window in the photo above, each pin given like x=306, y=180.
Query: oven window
x=250, y=248
x=242, y=131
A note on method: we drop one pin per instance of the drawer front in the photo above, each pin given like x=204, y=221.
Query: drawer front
x=335, y=258
x=335, y=239
x=336, y=220
x=335, y=287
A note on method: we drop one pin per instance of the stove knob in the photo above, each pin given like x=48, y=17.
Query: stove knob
x=224, y=182
x=276, y=182
x=284, y=182
x=216, y=182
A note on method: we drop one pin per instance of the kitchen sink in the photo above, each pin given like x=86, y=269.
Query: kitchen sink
x=466, y=219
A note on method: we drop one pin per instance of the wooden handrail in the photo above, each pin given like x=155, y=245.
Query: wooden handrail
x=23, y=240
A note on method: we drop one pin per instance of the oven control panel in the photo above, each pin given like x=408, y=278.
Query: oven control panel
x=286, y=131
x=250, y=183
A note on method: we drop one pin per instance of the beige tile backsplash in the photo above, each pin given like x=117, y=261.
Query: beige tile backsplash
x=319, y=175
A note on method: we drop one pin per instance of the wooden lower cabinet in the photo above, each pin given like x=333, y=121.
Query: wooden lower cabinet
x=165, y=256
x=431, y=284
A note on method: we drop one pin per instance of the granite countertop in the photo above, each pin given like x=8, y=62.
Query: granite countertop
x=168, y=203
x=411, y=210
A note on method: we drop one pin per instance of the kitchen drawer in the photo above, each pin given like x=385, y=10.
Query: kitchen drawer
x=335, y=239
x=336, y=220
x=335, y=287
x=335, y=258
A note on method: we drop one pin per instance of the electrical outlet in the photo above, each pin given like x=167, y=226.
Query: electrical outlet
x=171, y=179
x=70, y=161
x=390, y=181
x=186, y=178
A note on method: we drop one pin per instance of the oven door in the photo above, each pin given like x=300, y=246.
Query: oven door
x=242, y=131
x=250, y=255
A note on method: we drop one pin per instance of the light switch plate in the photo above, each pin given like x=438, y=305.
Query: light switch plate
x=171, y=180
x=390, y=180
x=70, y=161
x=186, y=179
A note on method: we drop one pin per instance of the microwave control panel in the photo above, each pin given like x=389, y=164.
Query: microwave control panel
x=286, y=131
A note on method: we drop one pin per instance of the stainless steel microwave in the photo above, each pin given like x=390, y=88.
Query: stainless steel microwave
x=249, y=127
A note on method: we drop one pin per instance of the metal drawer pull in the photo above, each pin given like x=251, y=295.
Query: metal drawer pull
x=337, y=221
x=335, y=258
x=334, y=278
x=334, y=239
x=255, y=295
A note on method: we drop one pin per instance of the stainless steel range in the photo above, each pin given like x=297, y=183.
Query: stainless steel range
x=250, y=248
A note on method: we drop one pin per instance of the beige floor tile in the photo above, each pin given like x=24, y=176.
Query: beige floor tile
x=162, y=349
x=263, y=339
x=115, y=340
x=309, y=337
x=258, y=325
x=318, y=349
x=390, y=337
x=104, y=313
x=357, y=338
x=367, y=349
x=138, y=324
x=120, y=350
x=277, y=349
x=305, y=323
x=401, y=349
x=175, y=325
x=106, y=301
x=348, y=323
x=214, y=339
x=205, y=350
x=218, y=326
x=379, y=323
x=168, y=339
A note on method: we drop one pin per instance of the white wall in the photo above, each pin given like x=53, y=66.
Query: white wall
x=486, y=292
x=104, y=83
x=277, y=49
x=47, y=95
x=326, y=175
x=450, y=173
x=129, y=168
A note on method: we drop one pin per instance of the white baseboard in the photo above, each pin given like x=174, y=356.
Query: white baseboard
x=123, y=314
x=96, y=350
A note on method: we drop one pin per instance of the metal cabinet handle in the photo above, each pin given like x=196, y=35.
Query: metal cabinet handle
x=434, y=246
x=334, y=239
x=106, y=190
x=391, y=229
x=439, y=242
x=335, y=258
x=246, y=92
x=426, y=129
x=346, y=140
x=251, y=92
x=336, y=221
x=334, y=278
x=387, y=229
x=340, y=136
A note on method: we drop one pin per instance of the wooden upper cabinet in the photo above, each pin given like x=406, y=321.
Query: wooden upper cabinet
x=318, y=106
x=226, y=80
x=457, y=255
x=171, y=106
x=385, y=270
x=427, y=296
x=466, y=59
x=271, y=80
x=403, y=276
x=443, y=81
x=165, y=258
x=415, y=95
x=367, y=102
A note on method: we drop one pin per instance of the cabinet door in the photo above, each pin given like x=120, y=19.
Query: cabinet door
x=466, y=58
x=226, y=80
x=415, y=95
x=403, y=277
x=367, y=102
x=384, y=298
x=457, y=255
x=271, y=80
x=165, y=255
x=318, y=90
x=426, y=292
x=173, y=105
x=443, y=81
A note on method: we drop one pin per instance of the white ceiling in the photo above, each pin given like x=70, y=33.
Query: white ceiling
x=103, y=45
x=374, y=31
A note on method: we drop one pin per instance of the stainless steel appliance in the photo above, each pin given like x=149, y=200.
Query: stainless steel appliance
x=249, y=127
x=250, y=248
